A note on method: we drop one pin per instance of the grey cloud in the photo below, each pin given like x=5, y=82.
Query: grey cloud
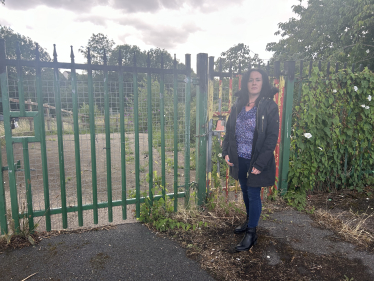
x=160, y=35
x=71, y=5
x=126, y=5
x=154, y=5
x=4, y=22
x=98, y=20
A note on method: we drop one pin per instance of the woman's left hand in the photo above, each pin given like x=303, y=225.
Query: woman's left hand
x=255, y=171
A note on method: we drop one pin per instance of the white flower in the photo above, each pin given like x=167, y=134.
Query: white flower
x=362, y=105
x=334, y=91
x=348, y=55
x=367, y=107
x=320, y=148
x=356, y=88
x=367, y=51
x=308, y=135
x=369, y=97
x=219, y=154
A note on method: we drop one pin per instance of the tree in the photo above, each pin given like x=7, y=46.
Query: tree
x=237, y=55
x=27, y=46
x=334, y=30
x=97, y=44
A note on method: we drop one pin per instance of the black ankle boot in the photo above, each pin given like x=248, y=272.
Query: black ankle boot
x=248, y=241
x=241, y=228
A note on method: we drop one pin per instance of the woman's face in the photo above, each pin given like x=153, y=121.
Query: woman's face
x=255, y=83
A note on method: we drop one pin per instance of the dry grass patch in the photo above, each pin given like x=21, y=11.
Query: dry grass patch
x=349, y=225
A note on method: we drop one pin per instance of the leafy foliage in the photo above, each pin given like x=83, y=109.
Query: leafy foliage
x=160, y=214
x=98, y=43
x=238, y=56
x=27, y=48
x=328, y=30
x=331, y=145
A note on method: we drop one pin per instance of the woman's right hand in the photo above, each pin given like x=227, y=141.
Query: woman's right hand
x=228, y=161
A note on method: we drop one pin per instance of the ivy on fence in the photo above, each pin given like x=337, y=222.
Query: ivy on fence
x=332, y=136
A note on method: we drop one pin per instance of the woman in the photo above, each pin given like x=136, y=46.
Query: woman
x=248, y=147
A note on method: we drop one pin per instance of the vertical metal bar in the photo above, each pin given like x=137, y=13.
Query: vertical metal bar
x=74, y=93
x=361, y=67
x=211, y=89
x=43, y=144
x=60, y=139
x=8, y=135
x=336, y=67
x=328, y=70
x=136, y=125
x=26, y=166
x=149, y=128
x=162, y=119
x=3, y=218
x=107, y=142
x=310, y=68
x=287, y=120
x=175, y=99
x=209, y=184
x=123, y=140
x=187, y=129
x=319, y=65
x=279, y=81
x=93, y=137
x=201, y=120
x=353, y=67
x=21, y=94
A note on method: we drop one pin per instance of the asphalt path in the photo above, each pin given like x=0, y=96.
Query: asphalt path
x=132, y=252
x=127, y=252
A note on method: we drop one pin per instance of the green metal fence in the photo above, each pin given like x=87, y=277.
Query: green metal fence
x=85, y=146
x=92, y=143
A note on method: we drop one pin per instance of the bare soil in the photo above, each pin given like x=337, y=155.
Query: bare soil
x=213, y=247
x=54, y=181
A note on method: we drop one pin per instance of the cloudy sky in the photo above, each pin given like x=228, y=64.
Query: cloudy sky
x=179, y=26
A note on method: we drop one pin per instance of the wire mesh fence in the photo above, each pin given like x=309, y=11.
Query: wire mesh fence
x=25, y=127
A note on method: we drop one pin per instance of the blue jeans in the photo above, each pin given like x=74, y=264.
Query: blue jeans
x=251, y=195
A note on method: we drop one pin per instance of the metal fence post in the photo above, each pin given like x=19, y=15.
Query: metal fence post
x=187, y=154
x=8, y=135
x=201, y=125
x=3, y=217
x=286, y=126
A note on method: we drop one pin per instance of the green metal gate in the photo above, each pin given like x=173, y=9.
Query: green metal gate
x=94, y=141
x=89, y=145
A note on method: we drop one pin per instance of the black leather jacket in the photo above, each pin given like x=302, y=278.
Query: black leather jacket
x=264, y=142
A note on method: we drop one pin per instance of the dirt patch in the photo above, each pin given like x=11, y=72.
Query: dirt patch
x=19, y=242
x=274, y=257
x=348, y=213
x=54, y=182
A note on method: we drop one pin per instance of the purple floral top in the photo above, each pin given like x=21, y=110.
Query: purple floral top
x=244, y=131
